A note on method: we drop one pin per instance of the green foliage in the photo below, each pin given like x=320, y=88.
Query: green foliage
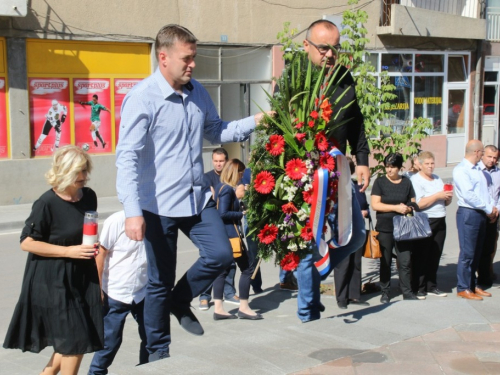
x=375, y=101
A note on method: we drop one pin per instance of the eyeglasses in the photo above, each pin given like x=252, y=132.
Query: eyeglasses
x=323, y=49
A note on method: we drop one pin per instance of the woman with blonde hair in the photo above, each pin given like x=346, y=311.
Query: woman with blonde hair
x=229, y=209
x=60, y=302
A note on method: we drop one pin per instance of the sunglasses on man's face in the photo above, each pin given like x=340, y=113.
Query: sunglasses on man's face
x=323, y=49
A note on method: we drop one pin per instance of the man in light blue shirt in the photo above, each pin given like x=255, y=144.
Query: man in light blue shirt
x=161, y=184
x=488, y=165
x=475, y=209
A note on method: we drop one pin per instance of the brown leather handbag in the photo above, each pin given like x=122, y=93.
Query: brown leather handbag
x=372, y=246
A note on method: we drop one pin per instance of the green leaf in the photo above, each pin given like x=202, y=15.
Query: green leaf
x=309, y=145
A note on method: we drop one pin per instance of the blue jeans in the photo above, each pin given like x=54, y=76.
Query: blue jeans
x=208, y=233
x=115, y=314
x=308, y=277
x=471, y=225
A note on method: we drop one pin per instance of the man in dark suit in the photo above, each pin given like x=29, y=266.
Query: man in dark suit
x=322, y=46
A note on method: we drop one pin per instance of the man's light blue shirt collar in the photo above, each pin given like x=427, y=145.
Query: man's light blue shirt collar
x=483, y=167
x=469, y=164
x=167, y=90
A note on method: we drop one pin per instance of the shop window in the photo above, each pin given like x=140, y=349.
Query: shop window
x=246, y=64
x=456, y=69
x=396, y=62
x=373, y=59
x=490, y=99
x=456, y=111
x=490, y=76
x=207, y=64
x=400, y=107
x=428, y=100
x=429, y=63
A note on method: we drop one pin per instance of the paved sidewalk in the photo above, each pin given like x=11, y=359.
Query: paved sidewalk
x=436, y=336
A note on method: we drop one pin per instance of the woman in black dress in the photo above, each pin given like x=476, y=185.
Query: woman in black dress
x=393, y=194
x=60, y=303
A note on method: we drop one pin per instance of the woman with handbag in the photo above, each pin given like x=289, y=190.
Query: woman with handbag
x=228, y=206
x=392, y=195
x=432, y=198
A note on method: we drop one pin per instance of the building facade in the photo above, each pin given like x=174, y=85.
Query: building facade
x=68, y=51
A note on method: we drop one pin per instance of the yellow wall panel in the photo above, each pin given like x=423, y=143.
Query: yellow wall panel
x=3, y=56
x=67, y=57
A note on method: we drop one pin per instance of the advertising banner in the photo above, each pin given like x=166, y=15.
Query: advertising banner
x=4, y=151
x=122, y=87
x=92, y=116
x=49, y=115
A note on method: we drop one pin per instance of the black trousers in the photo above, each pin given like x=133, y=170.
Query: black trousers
x=246, y=268
x=426, y=256
x=484, y=268
x=347, y=277
x=403, y=252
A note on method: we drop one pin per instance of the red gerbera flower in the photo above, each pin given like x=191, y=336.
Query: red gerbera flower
x=314, y=115
x=308, y=196
x=326, y=161
x=300, y=136
x=306, y=232
x=321, y=142
x=276, y=145
x=290, y=262
x=311, y=124
x=295, y=169
x=326, y=112
x=289, y=208
x=268, y=234
x=299, y=125
x=264, y=182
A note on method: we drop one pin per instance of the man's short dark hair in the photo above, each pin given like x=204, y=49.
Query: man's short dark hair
x=328, y=24
x=492, y=148
x=220, y=151
x=394, y=160
x=170, y=34
x=95, y=96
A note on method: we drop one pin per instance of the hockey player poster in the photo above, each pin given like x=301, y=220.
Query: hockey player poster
x=122, y=87
x=92, y=98
x=49, y=102
x=4, y=151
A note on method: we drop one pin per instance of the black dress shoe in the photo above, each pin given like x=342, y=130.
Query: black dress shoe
x=156, y=356
x=411, y=297
x=342, y=304
x=384, y=298
x=358, y=302
x=242, y=315
x=224, y=317
x=187, y=319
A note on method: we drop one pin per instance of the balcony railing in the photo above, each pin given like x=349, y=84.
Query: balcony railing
x=493, y=24
x=464, y=8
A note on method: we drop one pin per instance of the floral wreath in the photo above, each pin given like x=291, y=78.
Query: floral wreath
x=291, y=145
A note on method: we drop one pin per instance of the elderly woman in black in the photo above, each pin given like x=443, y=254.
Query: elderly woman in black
x=393, y=194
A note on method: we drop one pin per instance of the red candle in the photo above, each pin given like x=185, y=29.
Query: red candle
x=448, y=187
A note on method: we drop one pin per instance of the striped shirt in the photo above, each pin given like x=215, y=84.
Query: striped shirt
x=159, y=154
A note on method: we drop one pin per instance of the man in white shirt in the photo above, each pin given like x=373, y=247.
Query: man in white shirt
x=122, y=268
x=475, y=209
x=488, y=165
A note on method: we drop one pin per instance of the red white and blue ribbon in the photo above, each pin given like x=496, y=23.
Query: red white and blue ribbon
x=344, y=214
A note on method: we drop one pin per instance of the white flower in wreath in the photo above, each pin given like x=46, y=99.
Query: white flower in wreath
x=302, y=215
x=308, y=187
x=302, y=245
x=286, y=178
x=292, y=246
x=314, y=155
